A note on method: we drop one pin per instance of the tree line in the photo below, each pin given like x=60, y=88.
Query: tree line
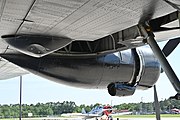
x=58, y=108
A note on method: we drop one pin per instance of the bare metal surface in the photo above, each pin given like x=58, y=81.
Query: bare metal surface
x=9, y=70
x=91, y=71
x=74, y=19
x=80, y=20
x=164, y=63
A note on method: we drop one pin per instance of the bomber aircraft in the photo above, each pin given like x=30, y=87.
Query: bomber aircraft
x=97, y=44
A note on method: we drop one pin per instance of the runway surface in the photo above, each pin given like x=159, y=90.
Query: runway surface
x=149, y=119
x=94, y=119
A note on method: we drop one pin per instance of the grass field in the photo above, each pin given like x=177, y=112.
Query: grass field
x=148, y=116
x=120, y=116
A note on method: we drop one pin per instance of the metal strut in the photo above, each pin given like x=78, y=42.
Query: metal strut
x=162, y=59
x=20, y=101
x=156, y=104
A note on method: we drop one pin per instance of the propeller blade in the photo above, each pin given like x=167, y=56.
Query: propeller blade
x=176, y=97
x=156, y=104
x=170, y=46
x=148, y=12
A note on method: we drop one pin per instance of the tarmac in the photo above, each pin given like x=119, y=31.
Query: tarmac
x=49, y=118
x=149, y=119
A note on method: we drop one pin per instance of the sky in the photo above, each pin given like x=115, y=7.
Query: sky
x=37, y=89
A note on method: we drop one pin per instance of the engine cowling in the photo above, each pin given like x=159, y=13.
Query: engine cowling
x=147, y=71
x=150, y=68
x=124, y=71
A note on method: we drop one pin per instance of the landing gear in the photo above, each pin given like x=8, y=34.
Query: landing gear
x=110, y=118
x=146, y=31
x=156, y=104
x=149, y=36
x=164, y=63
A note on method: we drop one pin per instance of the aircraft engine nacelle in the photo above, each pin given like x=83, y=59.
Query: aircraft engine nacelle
x=121, y=71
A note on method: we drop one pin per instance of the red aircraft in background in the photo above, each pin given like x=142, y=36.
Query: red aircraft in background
x=102, y=112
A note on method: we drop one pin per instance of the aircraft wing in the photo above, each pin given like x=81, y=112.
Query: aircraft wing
x=9, y=70
x=76, y=19
x=85, y=116
x=41, y=27
x=122, y=113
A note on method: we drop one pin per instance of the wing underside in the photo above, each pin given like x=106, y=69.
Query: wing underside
x=89, y=26
x=9, y=70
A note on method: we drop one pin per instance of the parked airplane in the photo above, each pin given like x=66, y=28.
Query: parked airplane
x=102, y=112
x=175, y=111
x=90, y=43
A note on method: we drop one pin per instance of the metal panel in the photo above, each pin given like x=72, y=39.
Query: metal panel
x=9, y=70
x=89, y=19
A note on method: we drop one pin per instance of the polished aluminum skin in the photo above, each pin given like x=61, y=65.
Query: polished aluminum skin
x=84, y=43
x=126, y=67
